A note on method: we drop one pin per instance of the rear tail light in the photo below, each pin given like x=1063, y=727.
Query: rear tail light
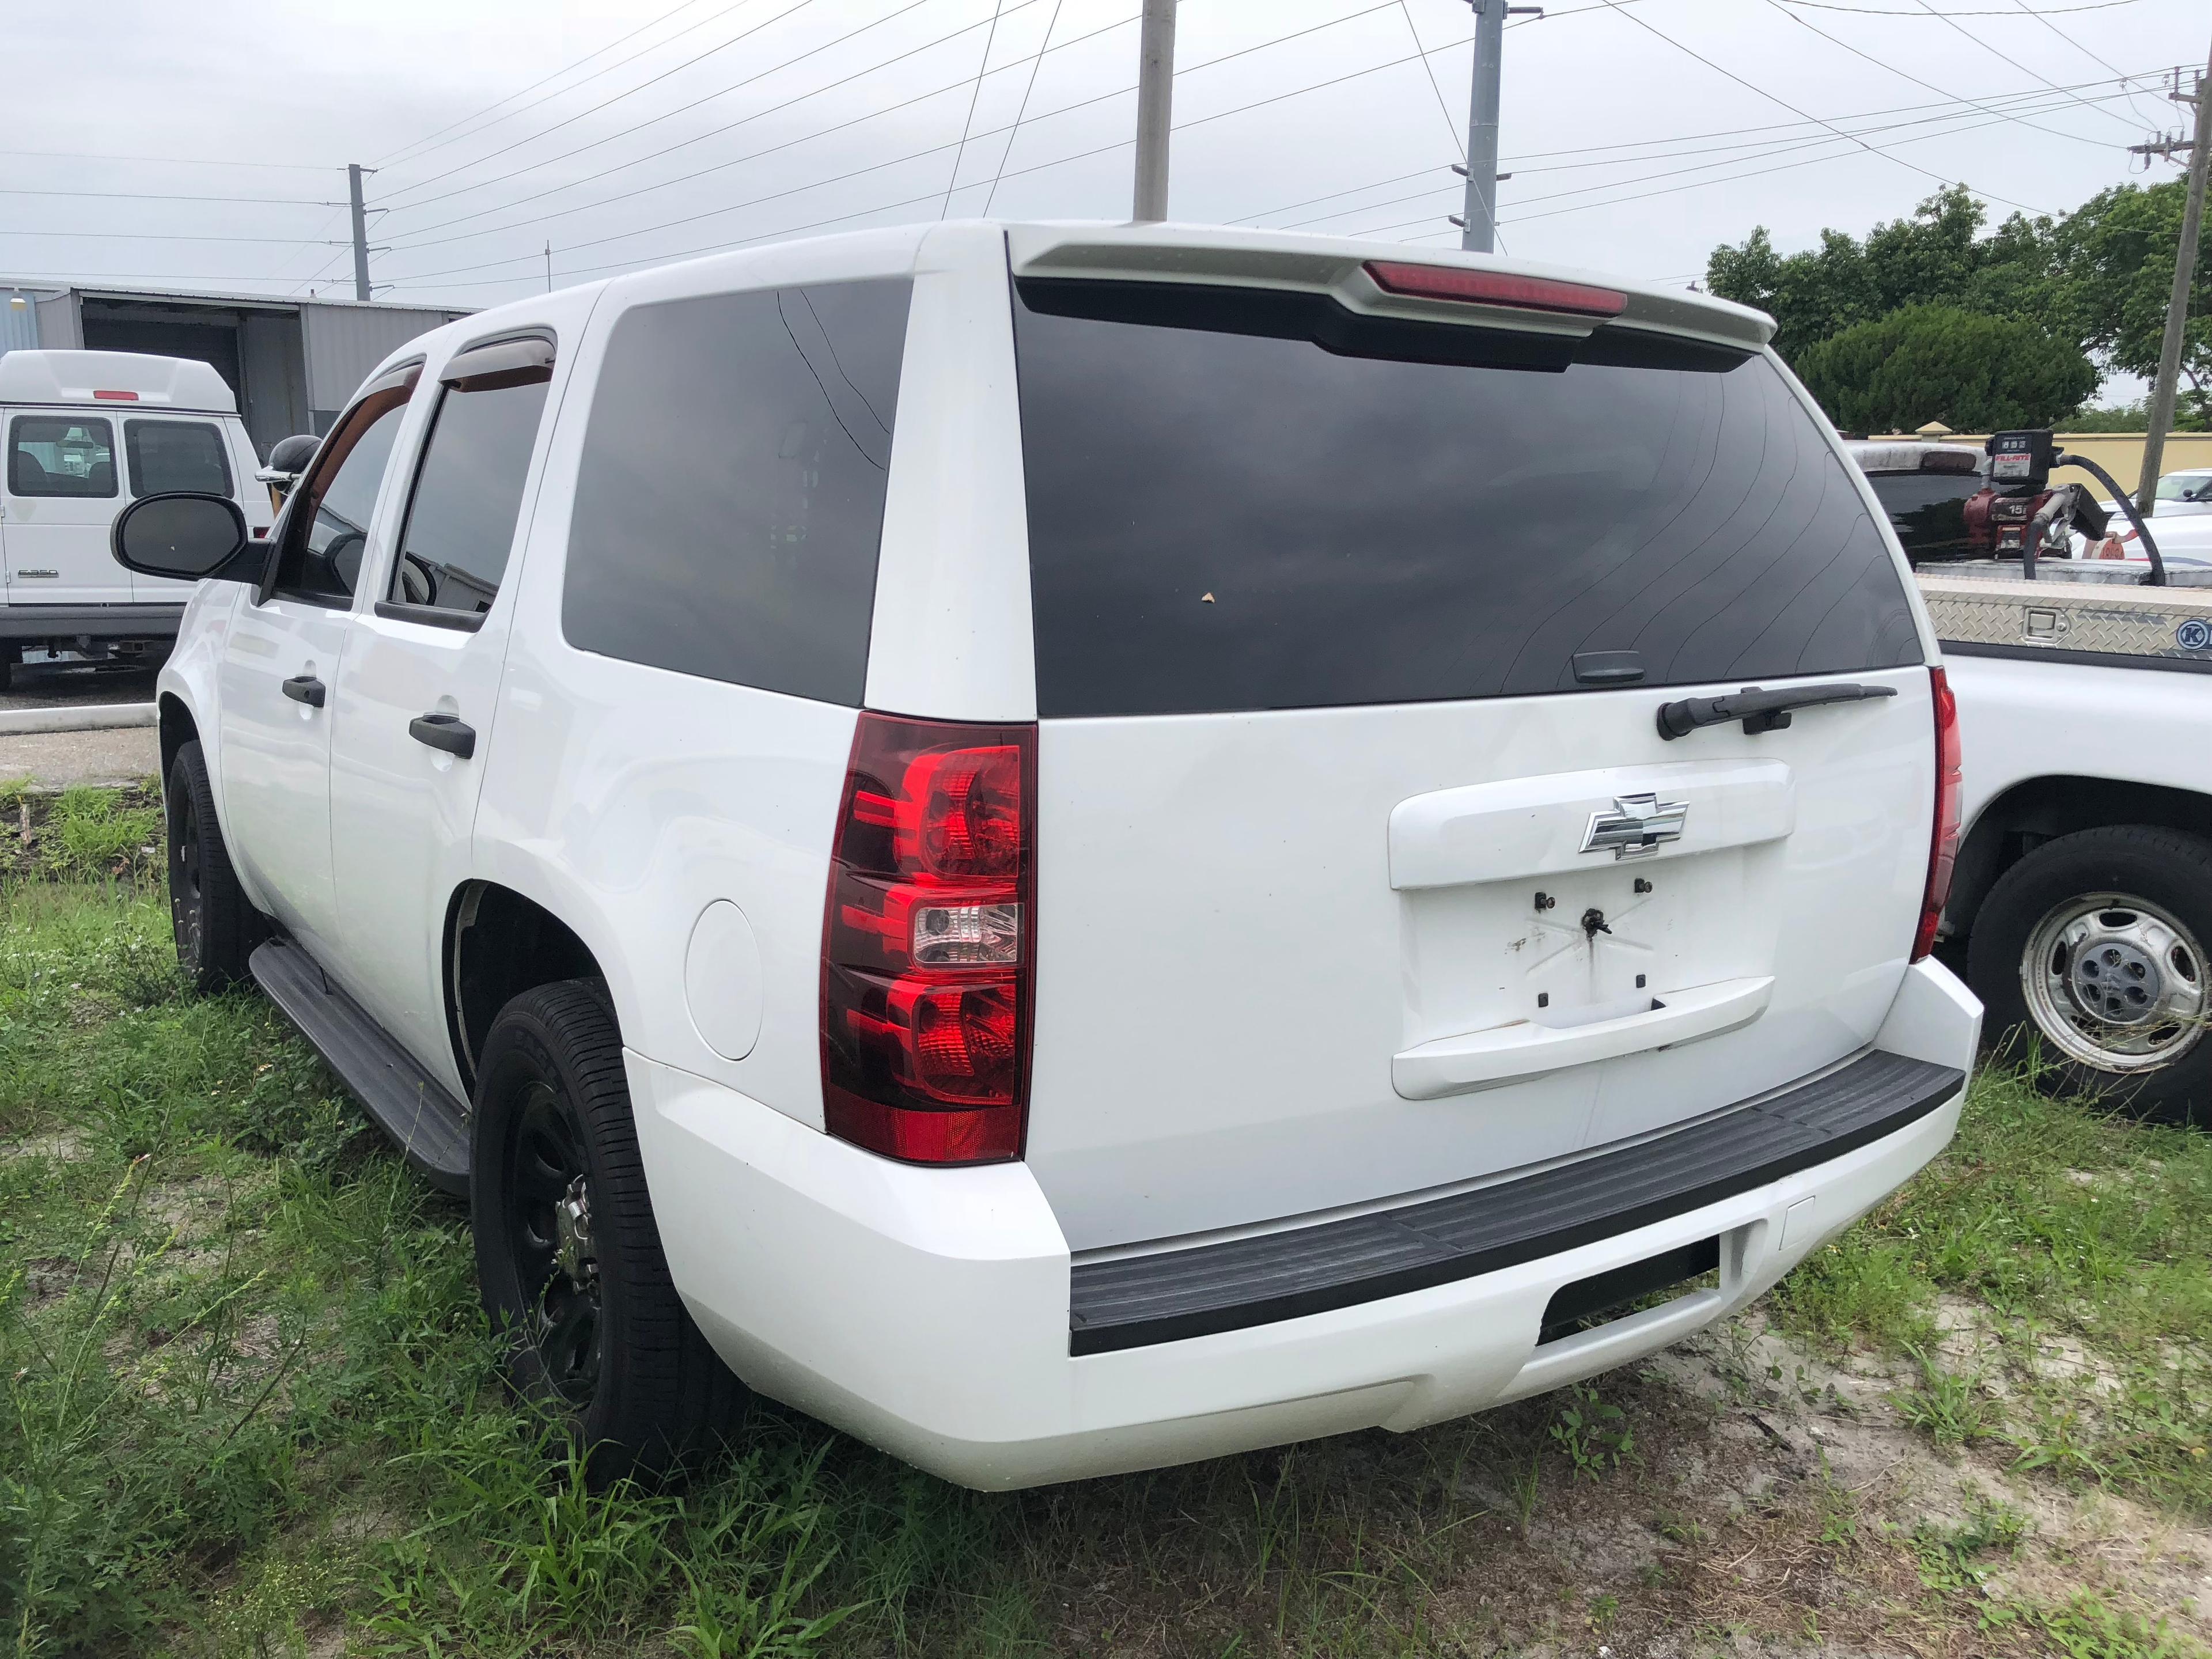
x=1943, y=848
x=928, y=941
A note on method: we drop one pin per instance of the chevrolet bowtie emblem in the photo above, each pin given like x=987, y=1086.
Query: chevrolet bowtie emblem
x=1636, y=825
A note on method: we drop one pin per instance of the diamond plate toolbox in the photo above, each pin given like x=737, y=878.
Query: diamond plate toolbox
x=2069, y=615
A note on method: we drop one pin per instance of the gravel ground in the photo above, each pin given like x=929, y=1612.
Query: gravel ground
x=60, y=759
x=60, y=686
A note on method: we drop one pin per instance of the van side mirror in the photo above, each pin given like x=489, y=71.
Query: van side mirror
x=187, y=536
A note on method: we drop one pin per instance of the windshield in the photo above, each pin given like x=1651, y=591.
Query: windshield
x=2185, y=486
x=1241, y=499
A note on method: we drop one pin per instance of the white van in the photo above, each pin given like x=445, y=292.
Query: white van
x=87, y=432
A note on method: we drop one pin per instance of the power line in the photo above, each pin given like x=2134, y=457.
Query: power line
x=159, y=236
x=1879, y=11
x=1800, y=114
x=421, y=232
x=164, y=196
x=1784, y=148
x=982, y=66
x=1980, y=44
x=1036, y=62
x=1101, y=149
x=1429, y=69
x=677, y=68
x=1768, y=146
x=423, y=145
x=420, y=240
x=1905, y=75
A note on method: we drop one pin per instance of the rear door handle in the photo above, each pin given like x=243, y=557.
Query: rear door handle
x=445, y=731
x=305, y=687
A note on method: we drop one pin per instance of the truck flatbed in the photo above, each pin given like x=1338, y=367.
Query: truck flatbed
x=2084, y=609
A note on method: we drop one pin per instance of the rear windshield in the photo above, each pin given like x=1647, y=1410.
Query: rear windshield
x=1241, y=499
x=1928, y=510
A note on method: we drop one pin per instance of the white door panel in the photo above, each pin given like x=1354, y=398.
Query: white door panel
x=276, y=754
x=402, y=812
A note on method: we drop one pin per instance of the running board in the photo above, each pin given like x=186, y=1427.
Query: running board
x=429, y=1126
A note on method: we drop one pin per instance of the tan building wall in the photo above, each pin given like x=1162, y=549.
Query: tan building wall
x=2119, y=454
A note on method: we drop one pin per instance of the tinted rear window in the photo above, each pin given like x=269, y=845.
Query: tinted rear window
x=1245, y=501
x=1928, y=510
x=730, y=500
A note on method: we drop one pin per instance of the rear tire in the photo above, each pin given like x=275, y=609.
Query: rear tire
x=215, y=926
x=2092, y=950
x=568, y=1253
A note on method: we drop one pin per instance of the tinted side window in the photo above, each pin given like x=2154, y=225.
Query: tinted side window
x=1928, y=509
x=168, y=455
x=326, y=522
x=1240, y=500
x=64, y=456
x=468, y=497
x=730, y=500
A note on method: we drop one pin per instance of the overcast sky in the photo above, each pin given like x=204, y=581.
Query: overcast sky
x=628, y=133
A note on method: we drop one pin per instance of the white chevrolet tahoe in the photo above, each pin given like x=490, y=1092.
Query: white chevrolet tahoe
x=1078, y=846
x=87, y=432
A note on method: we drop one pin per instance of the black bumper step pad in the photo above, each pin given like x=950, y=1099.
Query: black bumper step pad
x=1130, y=1302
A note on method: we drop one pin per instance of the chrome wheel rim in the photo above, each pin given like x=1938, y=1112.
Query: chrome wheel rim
x=548, y=1227
x=2116, y=982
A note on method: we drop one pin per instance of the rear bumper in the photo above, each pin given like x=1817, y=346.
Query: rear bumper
x=97, y=622
x=928, y=1311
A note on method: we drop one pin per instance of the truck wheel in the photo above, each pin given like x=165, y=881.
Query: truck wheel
x=2093, y=946
x=568, y=1254
x=216, y=927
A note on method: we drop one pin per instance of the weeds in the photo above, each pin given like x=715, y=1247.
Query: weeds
x=1594, y=1434
x=248, y=1404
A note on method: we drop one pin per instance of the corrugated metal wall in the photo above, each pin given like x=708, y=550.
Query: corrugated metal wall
x=59, y=329
x=19, y=321
x=343, y=343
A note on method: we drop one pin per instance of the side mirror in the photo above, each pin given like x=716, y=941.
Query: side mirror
x=189, y=536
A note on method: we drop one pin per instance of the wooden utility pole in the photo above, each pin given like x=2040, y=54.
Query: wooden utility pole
x=2177, y=309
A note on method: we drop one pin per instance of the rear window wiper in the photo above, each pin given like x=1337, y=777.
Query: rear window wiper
x=1759, y=711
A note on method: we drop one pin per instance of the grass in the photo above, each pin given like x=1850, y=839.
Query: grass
x=248, y=1405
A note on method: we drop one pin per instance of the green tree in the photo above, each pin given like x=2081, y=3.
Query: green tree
x=1921, y=363
x=1937, y=256
x=2097, y=277
x=2113, y=258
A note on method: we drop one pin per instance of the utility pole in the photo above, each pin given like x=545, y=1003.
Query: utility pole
x=548, y=267
x=360, y=289
x=1155, y=99
x=1477, y=224
x=1478, y=228
x=2177, y=307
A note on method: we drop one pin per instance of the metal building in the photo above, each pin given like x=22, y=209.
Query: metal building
x=292, y=362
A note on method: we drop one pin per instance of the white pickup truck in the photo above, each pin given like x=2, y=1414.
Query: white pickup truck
x=2082, y=901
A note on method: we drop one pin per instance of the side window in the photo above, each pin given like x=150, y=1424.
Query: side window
x=468, y=491
x=174, y=455
x=730, y=497
x=60, y=456
x=326, y=522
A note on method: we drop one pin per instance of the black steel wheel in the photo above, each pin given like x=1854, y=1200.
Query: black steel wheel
x=216, y=928
x=569, y=1255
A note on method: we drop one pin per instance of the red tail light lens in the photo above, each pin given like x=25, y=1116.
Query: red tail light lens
x=1943, y=850
x=1494, y=287
x=927, y=957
